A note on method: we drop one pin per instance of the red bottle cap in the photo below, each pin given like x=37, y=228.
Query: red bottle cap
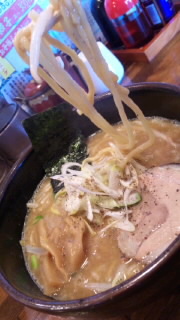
x=117, y=8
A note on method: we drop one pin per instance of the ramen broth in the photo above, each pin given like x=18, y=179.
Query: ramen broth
x=91, y=260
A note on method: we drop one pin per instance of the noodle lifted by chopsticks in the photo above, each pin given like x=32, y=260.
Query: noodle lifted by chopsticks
x=33, y=44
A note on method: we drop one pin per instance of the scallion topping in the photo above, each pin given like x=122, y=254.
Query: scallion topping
x=37, y=219
x=34, y=262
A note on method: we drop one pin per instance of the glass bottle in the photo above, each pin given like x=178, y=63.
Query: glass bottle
x=153, y=13
x=130, y=22
x=167, y=9
x=99, y=13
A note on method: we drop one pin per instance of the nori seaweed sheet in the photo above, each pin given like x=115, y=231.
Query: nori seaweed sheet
x=77, y=152
x=55, y=139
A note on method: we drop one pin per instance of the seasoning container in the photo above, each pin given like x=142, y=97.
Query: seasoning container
x=40, y=97
x=130, y=22
x=167, y=9
x=99, y=13
x=153, y=13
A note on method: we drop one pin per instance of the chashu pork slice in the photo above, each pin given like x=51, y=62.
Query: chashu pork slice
x=157, y=217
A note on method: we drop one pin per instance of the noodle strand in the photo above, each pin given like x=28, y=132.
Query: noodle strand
x=33, y=44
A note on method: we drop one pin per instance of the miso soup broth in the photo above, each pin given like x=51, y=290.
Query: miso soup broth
x=74, y=254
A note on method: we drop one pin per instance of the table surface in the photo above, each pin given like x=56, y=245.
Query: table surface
x=164, y=68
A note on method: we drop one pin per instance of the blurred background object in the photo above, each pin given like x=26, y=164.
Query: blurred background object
x=153, y=13
x=130, y=22
x=167, y=9
x=99, y=13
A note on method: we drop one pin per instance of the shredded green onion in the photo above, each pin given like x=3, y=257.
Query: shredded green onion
x=22, y=243
x=61, y=193
x=37, y=219
x=55, y=211
x=34, y=262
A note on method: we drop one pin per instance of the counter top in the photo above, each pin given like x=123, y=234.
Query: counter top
x=164, y=68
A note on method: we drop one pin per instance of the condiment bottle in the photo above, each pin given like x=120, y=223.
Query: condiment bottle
x=153, y=13
x=130, y=22
x=99, y=13
x=167, y=9
x=40, y=97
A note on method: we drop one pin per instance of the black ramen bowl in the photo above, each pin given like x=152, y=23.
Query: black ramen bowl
x=160, y=278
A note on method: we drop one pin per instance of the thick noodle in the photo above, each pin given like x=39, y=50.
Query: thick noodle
x=33, y=44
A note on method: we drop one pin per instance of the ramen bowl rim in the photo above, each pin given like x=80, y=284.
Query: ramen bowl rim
x=119, y=290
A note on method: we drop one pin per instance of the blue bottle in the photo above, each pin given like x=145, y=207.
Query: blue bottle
x=167, y=9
